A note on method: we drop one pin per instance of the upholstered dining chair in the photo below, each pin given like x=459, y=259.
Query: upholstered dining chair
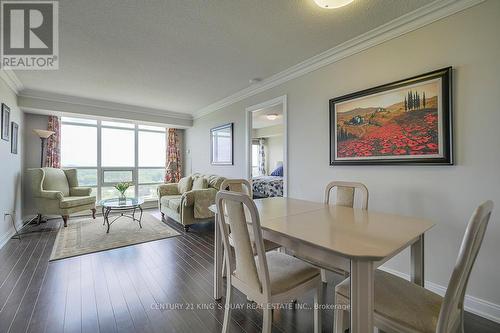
x=245, y=187
x=267, y=278
x=404, y=307
x=56, y=192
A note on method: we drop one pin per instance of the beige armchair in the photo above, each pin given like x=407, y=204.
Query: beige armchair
x=56, y=192
x=187, y=202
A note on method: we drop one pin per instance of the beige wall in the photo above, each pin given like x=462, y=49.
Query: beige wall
x=468, y=41
x=11, y=166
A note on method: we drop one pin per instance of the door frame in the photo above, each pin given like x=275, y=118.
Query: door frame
x=248, y=113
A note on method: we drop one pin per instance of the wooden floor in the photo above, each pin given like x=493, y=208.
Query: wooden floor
x=161, y=286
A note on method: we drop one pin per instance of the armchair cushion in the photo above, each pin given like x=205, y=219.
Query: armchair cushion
x=171, y=201
x=53, y=195
x=185, y=184
x=68, y=202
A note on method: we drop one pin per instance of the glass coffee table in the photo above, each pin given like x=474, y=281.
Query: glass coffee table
x=122, y=206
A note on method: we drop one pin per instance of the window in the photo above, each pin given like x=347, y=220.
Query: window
x=255, y=159
x=128, y=153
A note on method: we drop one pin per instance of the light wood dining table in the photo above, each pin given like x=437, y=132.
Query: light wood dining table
x=354, y=240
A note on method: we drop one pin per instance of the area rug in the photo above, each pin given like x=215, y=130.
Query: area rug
x=87, y=235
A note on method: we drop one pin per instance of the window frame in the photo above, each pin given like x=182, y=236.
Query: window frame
x=101, y=169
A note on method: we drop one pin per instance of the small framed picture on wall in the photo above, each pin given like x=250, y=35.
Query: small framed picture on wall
x=221, y=145
x=5, y=122
x=13, y=143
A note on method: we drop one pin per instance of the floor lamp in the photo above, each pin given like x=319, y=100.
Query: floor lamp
x=43, y=135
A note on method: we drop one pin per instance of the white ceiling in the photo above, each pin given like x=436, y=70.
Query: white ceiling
x=259, y=118
x=183, y=55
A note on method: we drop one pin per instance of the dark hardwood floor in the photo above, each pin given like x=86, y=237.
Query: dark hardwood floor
x=160, y=286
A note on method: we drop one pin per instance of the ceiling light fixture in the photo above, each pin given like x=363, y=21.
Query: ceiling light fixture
x=331, y=4
x=272, y=116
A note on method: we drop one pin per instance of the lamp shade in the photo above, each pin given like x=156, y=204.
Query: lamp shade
x=43, y=134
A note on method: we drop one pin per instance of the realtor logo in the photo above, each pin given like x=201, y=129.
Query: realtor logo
x=29, y=35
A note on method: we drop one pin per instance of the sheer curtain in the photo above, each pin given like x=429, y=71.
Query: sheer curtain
x=173, y=156
x=262, y=157
x=53, y=149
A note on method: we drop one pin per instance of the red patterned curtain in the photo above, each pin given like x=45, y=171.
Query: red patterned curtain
x=53, y=150
x=173, y=156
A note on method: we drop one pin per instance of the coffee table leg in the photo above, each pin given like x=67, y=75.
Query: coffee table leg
x=107, y=218
x=140, y=217
x=103, y=217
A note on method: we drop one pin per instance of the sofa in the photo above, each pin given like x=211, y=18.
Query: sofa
x=56, y=192
x=188, y=200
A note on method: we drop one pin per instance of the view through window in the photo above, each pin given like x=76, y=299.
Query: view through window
x=108, y=152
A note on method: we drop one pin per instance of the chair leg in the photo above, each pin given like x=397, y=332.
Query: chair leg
x=39, y=219
x=93, y=213
x=323, y=276
x=341, y=318
x=186, y=228
x=65, y=219
x=267, y=318
x=318, y=300
x=224, y=266
x=162, y=216
x=227, y=311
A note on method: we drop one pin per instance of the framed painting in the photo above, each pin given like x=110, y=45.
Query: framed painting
x=15, y=133
x=5, y=122
x=404, y=122
x=221, y=145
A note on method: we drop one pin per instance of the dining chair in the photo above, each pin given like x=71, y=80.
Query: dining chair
x=267, y=278
x=402, y=306
x=345, y=197
x=245, y=187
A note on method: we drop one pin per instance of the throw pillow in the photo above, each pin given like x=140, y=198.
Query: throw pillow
x=200, y=183
x=185, y=184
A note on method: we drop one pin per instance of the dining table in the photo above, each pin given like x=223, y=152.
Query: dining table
x=354, y=240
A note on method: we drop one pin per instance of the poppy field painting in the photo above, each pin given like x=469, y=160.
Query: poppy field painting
x=404, y=122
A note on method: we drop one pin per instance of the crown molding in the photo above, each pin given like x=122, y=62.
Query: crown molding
x=11, y=80
x=404, y=24
x=100, y=104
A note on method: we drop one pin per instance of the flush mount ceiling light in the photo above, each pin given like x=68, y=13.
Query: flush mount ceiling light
x=272, y=116
x=331, y=4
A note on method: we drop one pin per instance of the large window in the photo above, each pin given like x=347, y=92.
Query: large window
x=108, y=152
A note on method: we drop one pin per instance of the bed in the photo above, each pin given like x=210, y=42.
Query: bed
x=267, y=186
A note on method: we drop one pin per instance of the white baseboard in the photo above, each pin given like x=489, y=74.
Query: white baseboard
x=473, y=304
x=5, y=238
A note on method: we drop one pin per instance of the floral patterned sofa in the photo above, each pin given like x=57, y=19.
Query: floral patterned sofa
x=188, y=200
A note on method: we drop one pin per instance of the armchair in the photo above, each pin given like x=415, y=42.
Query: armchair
x=56, y=192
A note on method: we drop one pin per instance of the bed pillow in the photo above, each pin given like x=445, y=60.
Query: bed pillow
x=278, y=171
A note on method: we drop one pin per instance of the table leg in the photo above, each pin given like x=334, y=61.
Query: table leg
x=417, y=262
x=140, y=217
x=103, y=218
x=106, y=218
x=218, y=262
x=362, y=286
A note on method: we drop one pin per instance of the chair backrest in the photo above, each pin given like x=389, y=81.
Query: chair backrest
x=346, y=192
x=231, y=207
x=237, y=185
x=49, y=179
x=451, y=312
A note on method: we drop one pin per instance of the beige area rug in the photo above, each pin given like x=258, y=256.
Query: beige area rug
x=87, y=235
